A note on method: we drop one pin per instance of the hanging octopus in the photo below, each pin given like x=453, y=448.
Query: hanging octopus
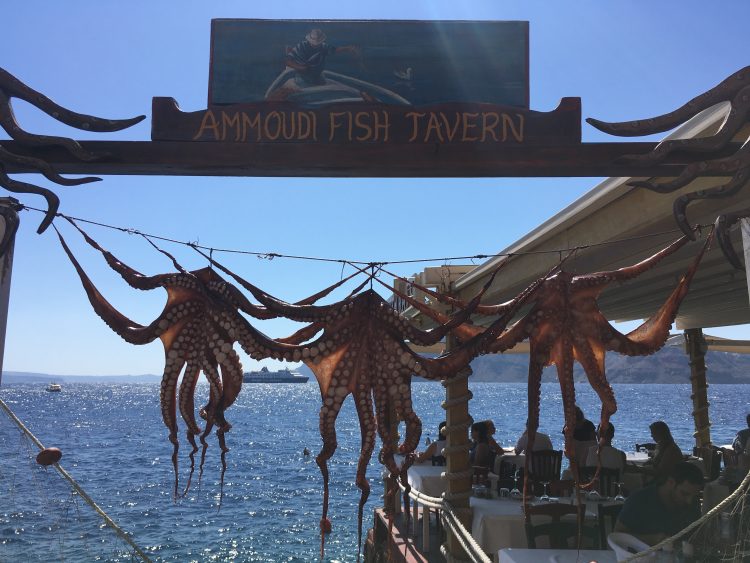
x=197, y=327
x=736, y=90
x=11, y=87
x=363, y=351
x=565, y=324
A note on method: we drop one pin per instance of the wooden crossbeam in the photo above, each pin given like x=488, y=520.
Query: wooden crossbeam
x=176, y=158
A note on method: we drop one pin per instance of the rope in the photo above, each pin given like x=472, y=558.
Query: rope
x=468, y=543
x=369, y=263
x=107, y=520
x=741, y=490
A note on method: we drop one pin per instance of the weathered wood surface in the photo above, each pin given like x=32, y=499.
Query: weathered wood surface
x=368, y=124
x=175, y=158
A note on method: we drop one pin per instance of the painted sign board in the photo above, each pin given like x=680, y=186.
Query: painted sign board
x=315, y=63
x=368, y=83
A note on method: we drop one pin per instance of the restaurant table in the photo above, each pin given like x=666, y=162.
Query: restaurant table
x=499, y=523
x=428, y=479
x=713, y=493
x=513, y=555
x=517, y=460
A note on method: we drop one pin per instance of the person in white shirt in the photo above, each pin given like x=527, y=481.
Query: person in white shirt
x=610, y=457
x=541, y=441
x=435, y=449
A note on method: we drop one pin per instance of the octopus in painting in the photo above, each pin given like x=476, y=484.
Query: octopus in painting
x=565, y=324
x=735, y=90
x=11, y=87
x=363, y=351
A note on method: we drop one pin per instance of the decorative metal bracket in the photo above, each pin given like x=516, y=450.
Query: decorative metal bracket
x=11, y=87
x=735, y=90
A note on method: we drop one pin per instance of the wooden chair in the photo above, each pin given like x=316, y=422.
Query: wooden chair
x=562, y=534
x=544, y=466
x=481, y=475
x=607, y=517
x=711, y=457
x=607, y=480
x=561, y=487
x=438, y=460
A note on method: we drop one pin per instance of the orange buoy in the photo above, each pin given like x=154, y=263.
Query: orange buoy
x=48, y=456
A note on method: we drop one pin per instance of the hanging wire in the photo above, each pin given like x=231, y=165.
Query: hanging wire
x=367, y=264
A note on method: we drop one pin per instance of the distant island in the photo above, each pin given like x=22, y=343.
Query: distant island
x=669, y=365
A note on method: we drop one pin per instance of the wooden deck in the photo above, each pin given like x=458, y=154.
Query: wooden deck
x=395, y=546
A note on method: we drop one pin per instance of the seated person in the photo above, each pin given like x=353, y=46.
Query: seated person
x=435, y=449
x=541, y=441
x=661, y=510
x=494, y=446
x=584, y=430
x=609, y=457
x=667, y=454
x=481, y=454
x=741, y=441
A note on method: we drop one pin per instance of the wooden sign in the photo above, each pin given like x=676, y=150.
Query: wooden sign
x=317, y=63
x=368, y=83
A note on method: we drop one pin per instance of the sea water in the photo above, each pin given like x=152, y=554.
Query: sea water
x=115, y=446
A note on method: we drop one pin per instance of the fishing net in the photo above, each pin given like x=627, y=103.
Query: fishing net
x=44, y=514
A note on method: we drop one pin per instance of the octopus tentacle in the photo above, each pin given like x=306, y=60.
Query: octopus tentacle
x=172, y=368
x=600, y=280
x=127, y=329
x=721, y=92
x=134, y=278
x=538, y=357
x=363, y=404
x=328, y=414
x=208, y=411
x=187, y=410
x=275, y=305
x=653, y=333
x=14, y=186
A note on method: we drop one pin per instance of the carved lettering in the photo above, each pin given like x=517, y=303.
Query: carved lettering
x=466, y=126
x=508, y=124
x=414, y=124
x=208, y=122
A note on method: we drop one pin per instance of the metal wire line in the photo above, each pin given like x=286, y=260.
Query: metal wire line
x=369, y=264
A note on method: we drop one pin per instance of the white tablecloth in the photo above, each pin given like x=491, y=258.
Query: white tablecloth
x=510, y=459
x=427, y=479
x=499, y=523
x=512, y=555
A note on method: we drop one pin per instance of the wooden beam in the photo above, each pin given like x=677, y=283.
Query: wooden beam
x=184, y=158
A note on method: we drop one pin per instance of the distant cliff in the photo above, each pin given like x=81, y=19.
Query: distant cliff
x=669, y=365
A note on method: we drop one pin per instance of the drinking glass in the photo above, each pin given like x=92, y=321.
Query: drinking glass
x=545, y=496
x=515, y=493
x=620, y=497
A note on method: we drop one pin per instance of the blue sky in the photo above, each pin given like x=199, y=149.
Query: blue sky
x=626, y=60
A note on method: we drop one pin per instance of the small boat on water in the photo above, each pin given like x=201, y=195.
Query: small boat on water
x=281, y=376
x=54, y=387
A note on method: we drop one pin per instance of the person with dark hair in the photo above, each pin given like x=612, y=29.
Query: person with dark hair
x=496, y=448
x=481, y=454
x=542, y=441
x=435, y=449
x=609, y=456
x=661, y=510
x=584, y=431
x=667, y=454
x=741, y=441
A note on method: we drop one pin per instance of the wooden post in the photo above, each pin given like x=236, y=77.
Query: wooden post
x=458, y=468
x=8, y=225
x=696, y=348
